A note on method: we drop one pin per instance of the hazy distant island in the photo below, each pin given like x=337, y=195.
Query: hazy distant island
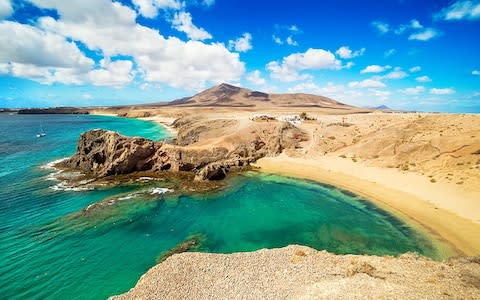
x=8, y=110
x=53, y=111
x=421, y=167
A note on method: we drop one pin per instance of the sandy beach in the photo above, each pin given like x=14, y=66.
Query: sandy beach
x=452, y=218
x=166, y=122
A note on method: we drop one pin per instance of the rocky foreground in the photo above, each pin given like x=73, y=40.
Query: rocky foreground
x=298, y=272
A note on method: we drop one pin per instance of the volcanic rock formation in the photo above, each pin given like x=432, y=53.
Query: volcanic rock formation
x=102, y=153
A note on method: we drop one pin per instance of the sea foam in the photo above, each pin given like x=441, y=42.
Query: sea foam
x=160, y=191
x=51, y=165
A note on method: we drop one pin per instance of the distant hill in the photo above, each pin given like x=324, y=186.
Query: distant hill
x=380, y=107
x=226, y=95
x=53, y=111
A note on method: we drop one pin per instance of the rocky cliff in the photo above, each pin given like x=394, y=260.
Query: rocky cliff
x=102, y=153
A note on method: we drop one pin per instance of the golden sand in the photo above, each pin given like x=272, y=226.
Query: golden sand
x=462, y=233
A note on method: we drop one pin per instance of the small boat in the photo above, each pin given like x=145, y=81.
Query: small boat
x=41, y=133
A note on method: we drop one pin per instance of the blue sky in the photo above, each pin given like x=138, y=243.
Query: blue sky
x=419, y=55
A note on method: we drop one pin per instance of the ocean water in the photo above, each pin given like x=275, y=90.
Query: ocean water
x=49, y=250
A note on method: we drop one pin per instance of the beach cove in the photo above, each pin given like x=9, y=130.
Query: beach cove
x=405, y=197
x=44, y=233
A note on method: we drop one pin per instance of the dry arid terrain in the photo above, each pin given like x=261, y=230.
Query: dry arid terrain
x=422, y=167
x=298, y=272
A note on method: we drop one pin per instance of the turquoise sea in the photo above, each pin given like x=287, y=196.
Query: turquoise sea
x=50, y=251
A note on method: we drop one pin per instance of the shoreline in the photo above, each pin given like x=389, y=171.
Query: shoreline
x=162, y=121
x=446, y=227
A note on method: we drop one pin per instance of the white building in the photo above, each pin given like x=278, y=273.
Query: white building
x=292, y=119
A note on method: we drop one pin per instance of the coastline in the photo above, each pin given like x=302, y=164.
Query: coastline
x=165, y=122
x=460, y=233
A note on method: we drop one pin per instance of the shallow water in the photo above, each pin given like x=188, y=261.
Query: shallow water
x=50, y=250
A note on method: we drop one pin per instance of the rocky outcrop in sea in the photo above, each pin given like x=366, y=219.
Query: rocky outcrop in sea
x=102, y=153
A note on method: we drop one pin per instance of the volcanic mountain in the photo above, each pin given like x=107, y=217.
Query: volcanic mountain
x=226, y=95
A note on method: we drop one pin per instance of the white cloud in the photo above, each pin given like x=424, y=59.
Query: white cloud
x=474, y=95
x=459, y=10
x=415, y=24
x=294, y=28
x=87, y=96
x=425, y=35
x=315, y=59
x=412, y=25
x=285, y=73
x=208, y=2
x=255, y=77
x=190, y=65
x=242, y=44
x=419, y=32
x=374, y=69
x=26, y=44
x=4, y=68
x=29, y=52
x=424, y=78
x=329, y=90
x=277, y=40
x=381, y=27
x=116, y=73
x=381, y=94
x=306, y=88
x=446, y=91
x=149, y=8
x=285, y=34
x=290, y=41
x=345, y=52
x=389, y=52
x=415, y=69
x=335, y=91
x=476, y=72
x=367, y=83
x=102, y=25
x=5, y=9
x=182, y=21
x=312, y=59
x=146, y=8
x=349, y=65
x=47, y=75
x=397, y=73
x=414, y=90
